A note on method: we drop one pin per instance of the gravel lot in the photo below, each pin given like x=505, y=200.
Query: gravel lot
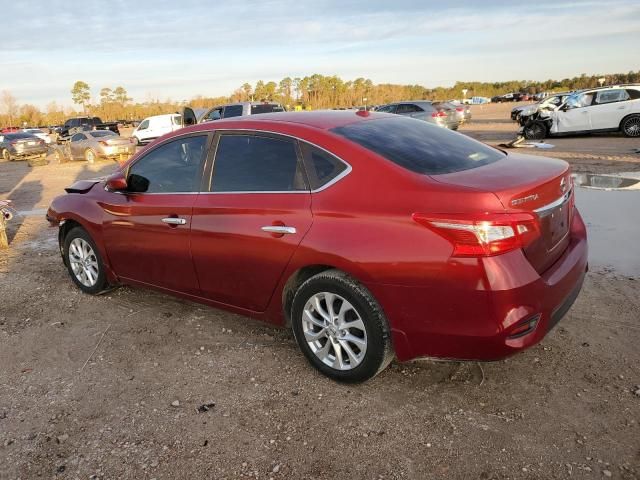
x=568, y=408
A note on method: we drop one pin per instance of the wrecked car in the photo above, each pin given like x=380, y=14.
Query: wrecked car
x=606, y=109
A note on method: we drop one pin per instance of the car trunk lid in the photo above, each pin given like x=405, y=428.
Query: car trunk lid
x=525, y=183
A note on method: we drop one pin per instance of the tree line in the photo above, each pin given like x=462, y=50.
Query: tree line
x=310, y=92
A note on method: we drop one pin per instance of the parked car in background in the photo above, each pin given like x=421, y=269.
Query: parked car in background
x=604, y=109
x=78, y=124
x=507, y=97
x=443, y=116
x=466, y=108
x=10, y=130
x=38, y=133
x=155, y=127
x=96, y=144
x=464, y=251
x=21, y=146
x=549, y=102
x=192, y=116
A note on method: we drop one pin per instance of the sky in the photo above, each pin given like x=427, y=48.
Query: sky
x=160, y=49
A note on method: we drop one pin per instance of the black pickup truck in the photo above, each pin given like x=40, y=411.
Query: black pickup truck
x=79, y=124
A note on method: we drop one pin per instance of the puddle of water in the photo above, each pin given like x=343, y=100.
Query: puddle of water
x=607, y=182
x=609, y=205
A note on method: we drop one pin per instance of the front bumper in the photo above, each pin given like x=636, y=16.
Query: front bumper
x=465, y=319
x=31, y=153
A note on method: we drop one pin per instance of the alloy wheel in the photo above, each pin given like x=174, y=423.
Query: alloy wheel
x=84, y=262
x=632, y=127
x=334, y=331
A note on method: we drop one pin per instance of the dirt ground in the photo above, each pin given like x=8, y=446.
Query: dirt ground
x=89, y=385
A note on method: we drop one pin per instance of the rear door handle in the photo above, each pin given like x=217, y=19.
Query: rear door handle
x=281, y=229
x=174, y=221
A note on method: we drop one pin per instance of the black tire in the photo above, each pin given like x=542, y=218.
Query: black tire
x=6, y=155
x=379, y=351
x=101, y=283
x=535, y=131
x=630, y=126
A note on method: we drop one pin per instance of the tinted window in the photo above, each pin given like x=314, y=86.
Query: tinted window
x=177, y=120
x=266, y=108
x=144, y=125
x=233, y=111
x=610, y=96
x=633, y=94
x=321, y=166
x=408, y=108
x=172, y=167
x=386, y=109
x=419, y=146
x=78, y=137
x=248, y=163
x=102, y=133
x=16, y=136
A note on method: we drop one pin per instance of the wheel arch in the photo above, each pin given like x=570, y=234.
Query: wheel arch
x=626, y=117
x=293, y=282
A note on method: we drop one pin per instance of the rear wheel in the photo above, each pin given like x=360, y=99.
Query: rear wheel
x=90, y=155
x=84, y=262
x=340, y=327
x=535, y=131
x=630, y=126
x=6, y=155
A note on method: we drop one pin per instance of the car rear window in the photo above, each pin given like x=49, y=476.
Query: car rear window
x=102, y=133
x=16, y=136
x=265, y=108
x=419, y=146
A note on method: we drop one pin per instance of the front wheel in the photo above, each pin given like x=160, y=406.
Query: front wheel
x=90, y=155
x=6, y=155
x=84, y=262
x=534, y=131
x=630, y=126
x=340, y=327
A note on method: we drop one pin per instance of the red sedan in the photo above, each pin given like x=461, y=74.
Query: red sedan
x=370, y=235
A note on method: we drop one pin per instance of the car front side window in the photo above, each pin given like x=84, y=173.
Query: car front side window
x=253, y=163
x=174, y=167
x=144, y=125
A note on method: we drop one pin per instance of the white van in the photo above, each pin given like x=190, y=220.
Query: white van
x=153, y=127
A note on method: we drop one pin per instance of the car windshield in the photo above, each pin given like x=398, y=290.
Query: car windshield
x=419, y=146
x=102, y=133
x=16, y=136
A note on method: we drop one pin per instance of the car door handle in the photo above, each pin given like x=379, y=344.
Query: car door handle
x=174, y=221
x=281, y=229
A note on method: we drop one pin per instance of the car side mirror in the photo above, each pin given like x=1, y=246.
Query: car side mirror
x=117, y=182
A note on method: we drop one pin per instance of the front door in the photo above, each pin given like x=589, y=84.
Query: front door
x=246, y=229
x=575, y=116
x=147, y=228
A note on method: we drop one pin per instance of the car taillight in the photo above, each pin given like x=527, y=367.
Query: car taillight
x=439, y=113
x=483, y=234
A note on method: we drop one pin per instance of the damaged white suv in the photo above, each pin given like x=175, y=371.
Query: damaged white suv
x=606, y=109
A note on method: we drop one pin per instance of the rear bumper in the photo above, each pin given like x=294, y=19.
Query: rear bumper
x=476, y=320
x=24, y=154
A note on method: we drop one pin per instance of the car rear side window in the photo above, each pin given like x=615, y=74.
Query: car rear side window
x=266, y=108
x=611, y=96
x=408, y=108
x=419, y=146
x=174, y=167
x=321, y=166
x=252, y=163
x=233, y=111
x=633, y=94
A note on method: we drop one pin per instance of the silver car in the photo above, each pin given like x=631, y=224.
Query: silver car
x=423, y=110
x=191, y=116
x=96, y=144
x=21, y=146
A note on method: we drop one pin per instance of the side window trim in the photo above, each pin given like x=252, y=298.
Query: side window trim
x=203, y=166
x=208, y=174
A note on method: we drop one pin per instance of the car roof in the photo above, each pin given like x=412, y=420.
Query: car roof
x=247, y=103
x=320, y=119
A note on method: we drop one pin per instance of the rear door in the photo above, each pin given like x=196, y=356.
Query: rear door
x=146, y=229
x=609, y=108
x=247, y=227
x=232, y=111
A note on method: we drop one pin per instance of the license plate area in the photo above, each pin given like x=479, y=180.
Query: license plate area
x=555, y=222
